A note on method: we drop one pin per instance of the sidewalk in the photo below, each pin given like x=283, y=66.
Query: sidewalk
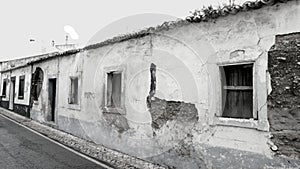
x=105, y=155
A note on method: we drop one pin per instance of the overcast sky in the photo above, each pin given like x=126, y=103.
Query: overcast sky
x=44, y=21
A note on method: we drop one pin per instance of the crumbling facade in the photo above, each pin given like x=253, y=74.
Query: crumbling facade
x=230, y=82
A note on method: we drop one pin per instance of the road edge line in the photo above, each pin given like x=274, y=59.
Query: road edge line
x=60, y=144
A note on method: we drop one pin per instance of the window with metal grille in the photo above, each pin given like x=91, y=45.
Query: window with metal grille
x=114, y=89
x=73, y=99
x=237, y=91
x=21, y=87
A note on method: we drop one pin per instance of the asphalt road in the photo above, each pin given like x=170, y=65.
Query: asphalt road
x=21, y=148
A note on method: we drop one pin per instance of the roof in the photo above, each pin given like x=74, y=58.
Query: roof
x=22, y=62
x=203, y=15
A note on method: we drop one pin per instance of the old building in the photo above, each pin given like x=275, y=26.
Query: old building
x=227, y=78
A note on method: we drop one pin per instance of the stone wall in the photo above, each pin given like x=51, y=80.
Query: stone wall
x=284, y=100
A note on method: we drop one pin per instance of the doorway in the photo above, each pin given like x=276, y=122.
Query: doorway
x=52, y=99
x=12, y=93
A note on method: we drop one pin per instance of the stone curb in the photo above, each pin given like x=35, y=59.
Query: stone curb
x=108, y=156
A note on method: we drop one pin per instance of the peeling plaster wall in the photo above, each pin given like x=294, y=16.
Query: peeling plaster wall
x=197, y=50
x=241, y=38
x=187, y=60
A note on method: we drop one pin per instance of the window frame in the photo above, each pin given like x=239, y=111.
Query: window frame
x=110, y=86
x=71, y=100
x=21, y=97
x=78, y=105
x=239, y=122
x=238, y=88
x=116, y=110
x=4, y=94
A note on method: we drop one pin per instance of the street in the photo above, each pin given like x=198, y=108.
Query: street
x=21, y=148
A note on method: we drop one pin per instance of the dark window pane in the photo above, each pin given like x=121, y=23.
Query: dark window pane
x=237, y=91
x=74, y=91
x=4, y=88
x=109, y=89
x=238, y=104
x=239, y=75
x=21, y=87
x=114, y=89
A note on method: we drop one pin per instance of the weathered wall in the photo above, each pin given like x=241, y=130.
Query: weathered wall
x=187, y=60
x=71, y=116
x=116, y=129
x=284, y=101
x=40, y=109
x=185, y=108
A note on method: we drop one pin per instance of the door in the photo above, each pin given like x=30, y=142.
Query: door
x=12, y=93
x=52, y=99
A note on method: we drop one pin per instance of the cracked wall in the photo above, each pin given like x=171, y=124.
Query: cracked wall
x=284, y=101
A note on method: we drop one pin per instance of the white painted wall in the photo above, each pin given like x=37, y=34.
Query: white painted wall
x=17, y=73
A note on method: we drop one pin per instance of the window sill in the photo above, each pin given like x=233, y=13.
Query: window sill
x=245, y=123
x=74, y=107
x=113, y=110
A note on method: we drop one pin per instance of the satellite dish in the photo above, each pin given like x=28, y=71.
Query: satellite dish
x=71, y=31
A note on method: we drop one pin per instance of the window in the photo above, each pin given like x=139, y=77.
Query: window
x=237, y=91
x=73, y=99
x=4, y=88
x=114, y=89
x=21, y=87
